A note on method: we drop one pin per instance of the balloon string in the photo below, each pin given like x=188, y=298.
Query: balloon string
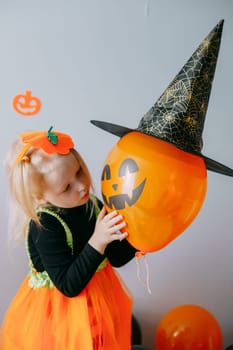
x=146, y=282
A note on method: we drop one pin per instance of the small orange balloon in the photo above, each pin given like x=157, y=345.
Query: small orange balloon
x=158, y=189
x=188, y=327
x=26, y=104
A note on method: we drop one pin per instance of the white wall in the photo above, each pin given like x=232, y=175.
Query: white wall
x=111, y=60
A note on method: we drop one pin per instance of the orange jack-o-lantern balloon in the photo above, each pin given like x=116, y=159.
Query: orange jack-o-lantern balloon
x=158, y=189
x=26, y=104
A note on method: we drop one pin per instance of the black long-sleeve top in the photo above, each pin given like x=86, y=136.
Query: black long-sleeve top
x=49, y=251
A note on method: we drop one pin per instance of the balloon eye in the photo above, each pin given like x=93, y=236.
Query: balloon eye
x=106, y=174
x=128, y=166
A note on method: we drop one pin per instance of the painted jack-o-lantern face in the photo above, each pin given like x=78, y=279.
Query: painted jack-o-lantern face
x=158, y=188
x=131, y=195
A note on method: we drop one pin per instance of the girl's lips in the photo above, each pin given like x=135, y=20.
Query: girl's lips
x=85, y=195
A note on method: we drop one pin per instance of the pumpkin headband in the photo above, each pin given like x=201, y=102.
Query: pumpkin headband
x=49, y=141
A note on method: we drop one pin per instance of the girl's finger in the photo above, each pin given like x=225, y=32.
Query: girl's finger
x=101, y=214
x=118, y=227
x=120, y=236
x=115, y=220
x=110, y=215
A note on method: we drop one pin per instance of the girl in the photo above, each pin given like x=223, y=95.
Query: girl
x=72, y=298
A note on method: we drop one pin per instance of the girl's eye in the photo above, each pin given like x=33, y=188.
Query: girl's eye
x=67, y=188
x=79, y=171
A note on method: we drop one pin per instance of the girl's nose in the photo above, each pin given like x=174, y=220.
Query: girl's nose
x=79, y=186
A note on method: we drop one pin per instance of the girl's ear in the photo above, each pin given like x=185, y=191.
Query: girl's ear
x=39, y=199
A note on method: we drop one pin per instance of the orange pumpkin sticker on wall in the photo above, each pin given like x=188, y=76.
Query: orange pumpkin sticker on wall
x=155, y=175
x=26, y=104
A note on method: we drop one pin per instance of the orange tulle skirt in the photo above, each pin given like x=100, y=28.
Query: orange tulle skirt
x=44, y=319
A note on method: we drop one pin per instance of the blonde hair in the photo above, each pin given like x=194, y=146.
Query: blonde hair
x=26, y=185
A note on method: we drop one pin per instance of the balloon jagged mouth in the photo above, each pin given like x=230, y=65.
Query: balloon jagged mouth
x=119, y=201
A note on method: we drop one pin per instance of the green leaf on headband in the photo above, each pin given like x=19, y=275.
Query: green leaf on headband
x=52, y=136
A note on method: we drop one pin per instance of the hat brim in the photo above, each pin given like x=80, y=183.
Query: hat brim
x=120, y=131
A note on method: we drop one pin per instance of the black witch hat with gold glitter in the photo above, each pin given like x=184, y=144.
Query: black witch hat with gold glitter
x=178, y=116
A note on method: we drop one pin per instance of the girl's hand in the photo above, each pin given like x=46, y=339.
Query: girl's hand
x=107, y=229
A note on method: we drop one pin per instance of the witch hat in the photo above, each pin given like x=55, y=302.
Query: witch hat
x=178, y=116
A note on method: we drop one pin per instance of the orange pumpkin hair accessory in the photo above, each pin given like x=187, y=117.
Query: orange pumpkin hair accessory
x=50, y=141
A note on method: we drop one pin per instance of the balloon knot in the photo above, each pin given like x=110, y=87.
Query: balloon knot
x=139, y=254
